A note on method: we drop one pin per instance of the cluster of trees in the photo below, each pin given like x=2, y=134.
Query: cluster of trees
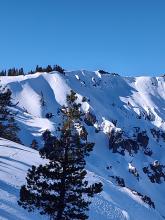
x=59, y=188
x=34, y=144
x=12, y=72
x=49, y=69
x=17, y=72
x=8, y=126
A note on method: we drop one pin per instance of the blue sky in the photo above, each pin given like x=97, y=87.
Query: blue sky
x=123, y=36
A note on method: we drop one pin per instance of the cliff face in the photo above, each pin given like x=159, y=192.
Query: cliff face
x=125, y=117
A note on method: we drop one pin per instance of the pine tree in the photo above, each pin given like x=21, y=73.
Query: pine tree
x=59, y=188
x=21, y=71
x=8, y=126
x=3, y=73
x=34, y=144
x=38, y=69
x=59, y=69
x=48, y=69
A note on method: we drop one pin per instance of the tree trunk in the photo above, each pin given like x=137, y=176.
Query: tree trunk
x=63, y=189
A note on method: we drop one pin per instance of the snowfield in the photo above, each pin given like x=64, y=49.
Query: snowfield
x=120, y=104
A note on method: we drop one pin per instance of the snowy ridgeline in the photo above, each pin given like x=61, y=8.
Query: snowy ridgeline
x=125, y=117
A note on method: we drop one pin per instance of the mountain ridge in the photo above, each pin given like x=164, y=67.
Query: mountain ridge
x=126, y=120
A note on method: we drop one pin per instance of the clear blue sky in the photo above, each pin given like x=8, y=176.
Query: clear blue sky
x=124, y=36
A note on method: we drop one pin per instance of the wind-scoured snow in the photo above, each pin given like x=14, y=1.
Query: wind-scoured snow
x=109, y=97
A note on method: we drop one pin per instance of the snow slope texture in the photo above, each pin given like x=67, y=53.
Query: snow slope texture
x=126, y=100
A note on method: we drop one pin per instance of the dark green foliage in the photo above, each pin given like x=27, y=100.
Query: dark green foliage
x=90, y=119
x=119, y=142
x=39, y=69
x=3, y=73
x=15, y=72
x=143, y=138
x=12, y=72
x=144, y=198
x=49, y=115
x=119, y=181
x=31, y=72
x=49, y=69
x=50, y=141
x=34, y=145
x=103, y=72
x=59, y=188
x=21, y=72
x=84, y=99
x=155, y=172
x=58, y=69
x=158, y=134
x=8, y=126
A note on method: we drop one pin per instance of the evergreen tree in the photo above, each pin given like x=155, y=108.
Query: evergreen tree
x=59, y=188
x=38, y=69
x=59, y=69
x=3, y=73
x=21, y=71
x=31, y=72
x=48, y=69
x=50, y=142
x=10, y=72
x=8, y=126
x=34, y=145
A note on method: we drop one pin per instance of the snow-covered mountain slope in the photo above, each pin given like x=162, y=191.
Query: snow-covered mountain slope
x=15, y=159
x=128, y=117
